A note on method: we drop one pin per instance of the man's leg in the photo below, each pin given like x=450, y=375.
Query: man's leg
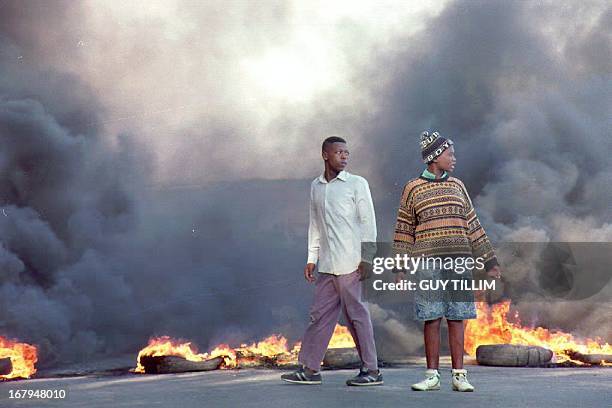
x=431, y=335
x=351, y=329
x=358, y=319
x=324, y=315
x=455, y=342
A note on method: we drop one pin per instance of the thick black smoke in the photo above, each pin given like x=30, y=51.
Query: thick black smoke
x=523, y=90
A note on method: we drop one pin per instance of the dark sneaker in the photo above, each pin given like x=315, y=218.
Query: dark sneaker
x=366, y=378
x=302, y=377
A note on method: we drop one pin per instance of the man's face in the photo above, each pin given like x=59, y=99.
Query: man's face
x=336, y=155
x=446, y=161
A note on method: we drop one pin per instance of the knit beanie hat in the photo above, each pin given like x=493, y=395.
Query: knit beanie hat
x=433, y=145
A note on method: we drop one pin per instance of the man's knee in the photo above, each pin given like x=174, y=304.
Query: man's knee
x=313, y=318
x=324, y=314
x=356, y=305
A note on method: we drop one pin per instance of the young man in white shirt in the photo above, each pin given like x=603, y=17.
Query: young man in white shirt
x=342, y=220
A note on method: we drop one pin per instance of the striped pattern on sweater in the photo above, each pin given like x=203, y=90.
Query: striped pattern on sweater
x=437, y=218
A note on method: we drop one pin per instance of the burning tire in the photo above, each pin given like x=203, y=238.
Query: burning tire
x=341, y=358
x=174, y=364
x=5, y=366
x=512, y=355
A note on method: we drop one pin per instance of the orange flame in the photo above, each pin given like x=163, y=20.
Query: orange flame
x=341, y=338
x=23, y=357
x=274, y=347
x=492, y=327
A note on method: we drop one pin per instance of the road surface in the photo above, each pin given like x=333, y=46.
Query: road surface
x=495, y=387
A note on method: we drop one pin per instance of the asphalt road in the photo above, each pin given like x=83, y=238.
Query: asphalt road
x=495, y=387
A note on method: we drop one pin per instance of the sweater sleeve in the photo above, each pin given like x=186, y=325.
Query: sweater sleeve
x=404, y=235
x=481, y=245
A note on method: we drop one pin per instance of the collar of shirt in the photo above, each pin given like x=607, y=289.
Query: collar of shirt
x=343, y=175
x=428, y=174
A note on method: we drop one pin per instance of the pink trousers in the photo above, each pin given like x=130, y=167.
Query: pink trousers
x=335, y=294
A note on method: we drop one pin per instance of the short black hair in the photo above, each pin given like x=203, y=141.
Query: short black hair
x=330, y=140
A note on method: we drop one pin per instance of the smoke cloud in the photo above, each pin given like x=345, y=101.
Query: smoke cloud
x=522, y=92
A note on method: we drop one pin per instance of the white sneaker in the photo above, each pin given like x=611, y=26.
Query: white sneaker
x=430, y=383
x=460, y=381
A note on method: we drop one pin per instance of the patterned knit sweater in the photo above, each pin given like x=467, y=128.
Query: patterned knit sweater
x=437, y=218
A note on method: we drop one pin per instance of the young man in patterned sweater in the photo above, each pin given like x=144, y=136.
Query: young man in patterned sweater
x=436, y=218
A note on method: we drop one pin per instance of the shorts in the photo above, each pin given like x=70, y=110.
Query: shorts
x=448, y=302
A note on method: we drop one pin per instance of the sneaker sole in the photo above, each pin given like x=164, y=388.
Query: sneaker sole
x=365, y=384
x=302, y=382
x=428, y=389
x=458, y=390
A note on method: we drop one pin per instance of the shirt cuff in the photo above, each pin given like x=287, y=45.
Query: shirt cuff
x=312, y=258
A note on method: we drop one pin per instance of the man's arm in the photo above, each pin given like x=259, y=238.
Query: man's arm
x=313, y=240
x=367, y=221
x=405, y=226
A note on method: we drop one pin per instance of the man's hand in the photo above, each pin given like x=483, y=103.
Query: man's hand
x=495, y=272
x=364, y=269
x=400, y=276
x=309, y=272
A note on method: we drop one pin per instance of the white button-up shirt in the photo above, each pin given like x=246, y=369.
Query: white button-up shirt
x=341, y=218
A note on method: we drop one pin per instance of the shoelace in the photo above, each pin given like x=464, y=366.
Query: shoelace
x=367, y=376
x=461, y=378
x=303, y=372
